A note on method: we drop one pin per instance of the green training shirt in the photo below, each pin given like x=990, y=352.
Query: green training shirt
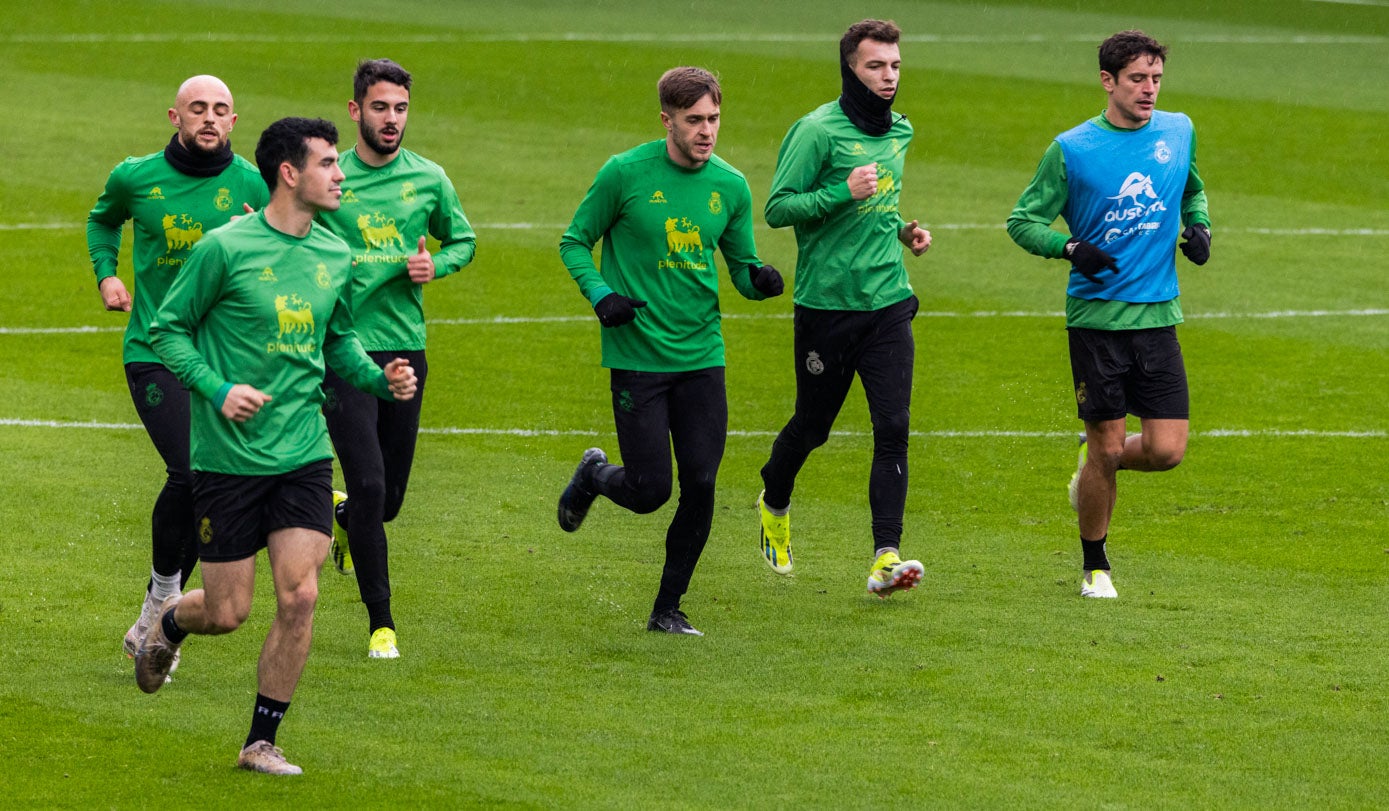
x=1041, y=204
x=257, y=306
x=171, y=212
x=659, y=223
x=849, y=256
x=385, y=210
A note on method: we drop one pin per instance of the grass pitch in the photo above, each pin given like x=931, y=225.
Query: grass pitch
x=1242, y=665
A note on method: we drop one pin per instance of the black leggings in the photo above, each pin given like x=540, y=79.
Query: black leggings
x=375, y=443
x=162, y=403
x=831, y=347
x=654, y=411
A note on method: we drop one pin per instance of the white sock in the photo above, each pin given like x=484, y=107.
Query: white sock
x=164, y=585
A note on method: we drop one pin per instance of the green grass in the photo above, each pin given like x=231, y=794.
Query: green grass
x=1242, y=667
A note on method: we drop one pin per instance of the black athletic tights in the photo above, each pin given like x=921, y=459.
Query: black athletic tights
x=375, y=443
x=831, y=347
x=653, y=412
x=162, y=403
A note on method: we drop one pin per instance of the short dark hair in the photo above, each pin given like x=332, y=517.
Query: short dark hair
x=287, y=140
x=880, y=30
x=682, y=88
x=1124, y=47
x=371, y=71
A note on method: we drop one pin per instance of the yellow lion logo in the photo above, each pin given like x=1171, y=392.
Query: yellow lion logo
x=886, y=183
x=681, y=241
x=379, y=236
x=178, y=238
x=294, y=321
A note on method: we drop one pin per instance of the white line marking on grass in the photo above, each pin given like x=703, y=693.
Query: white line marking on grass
x=504, y=320
x=1381, y=3
x=937, y=226
x=663, y=38
x=56, y=330
x=1237, y=433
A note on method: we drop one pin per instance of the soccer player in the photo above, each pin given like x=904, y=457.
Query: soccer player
x=247, y=326
x=391, y=199
x=173, y=197
x=1121, y=181
x=660, y=209
x=838, y=182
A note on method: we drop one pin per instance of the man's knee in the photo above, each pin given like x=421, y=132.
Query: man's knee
x=807, y=435
x=298, y=600
x=1166, y=457
x=224, y=618
x=892, y=431
x=649, y=494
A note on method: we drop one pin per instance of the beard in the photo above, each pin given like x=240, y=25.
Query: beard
x=197, y=148
x=372, y=139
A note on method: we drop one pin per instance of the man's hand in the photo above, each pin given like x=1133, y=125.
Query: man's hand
x=916, y=238
x=615, y=309
x=400, y=376
x=863, y=182
x=1089, y=260
x=246, y=207
x=243, y=402
x=114, y=295
x=420, y=265
x=1197, y=247
x=766, y=280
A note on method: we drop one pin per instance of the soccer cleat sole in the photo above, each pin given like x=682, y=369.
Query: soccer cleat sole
x=906, y=577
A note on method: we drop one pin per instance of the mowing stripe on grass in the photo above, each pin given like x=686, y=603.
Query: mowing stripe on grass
x=1237, y=433
x=938, y=226
x=663, y=38
x=500, y=320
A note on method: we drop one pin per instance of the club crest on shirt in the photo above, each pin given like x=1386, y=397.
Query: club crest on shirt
x=715, y=203
x=1162, y=153
x=322, y=277
x=407, y=192
x=223, y=200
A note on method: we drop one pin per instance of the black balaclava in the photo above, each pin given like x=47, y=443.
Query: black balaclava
x=867, y=110
x=196, y=162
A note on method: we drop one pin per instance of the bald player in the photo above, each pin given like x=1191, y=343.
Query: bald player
x=172, y=197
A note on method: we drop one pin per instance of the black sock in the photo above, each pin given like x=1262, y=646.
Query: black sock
x=265, y=721
x=172, y=632
x=379, y=615
x=1095, y=557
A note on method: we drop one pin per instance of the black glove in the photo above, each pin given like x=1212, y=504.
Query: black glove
x=1198, y=244
x=766, y=280
x=1089, y=260
x=615, y=309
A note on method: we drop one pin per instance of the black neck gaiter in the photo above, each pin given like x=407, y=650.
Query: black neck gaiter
x=867, y=110
x=196, y=162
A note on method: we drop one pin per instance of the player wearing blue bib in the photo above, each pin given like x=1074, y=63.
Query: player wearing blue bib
x=1125, y=182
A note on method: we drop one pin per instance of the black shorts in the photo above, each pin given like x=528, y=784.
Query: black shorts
x=1133, y=371
x=236, y=514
